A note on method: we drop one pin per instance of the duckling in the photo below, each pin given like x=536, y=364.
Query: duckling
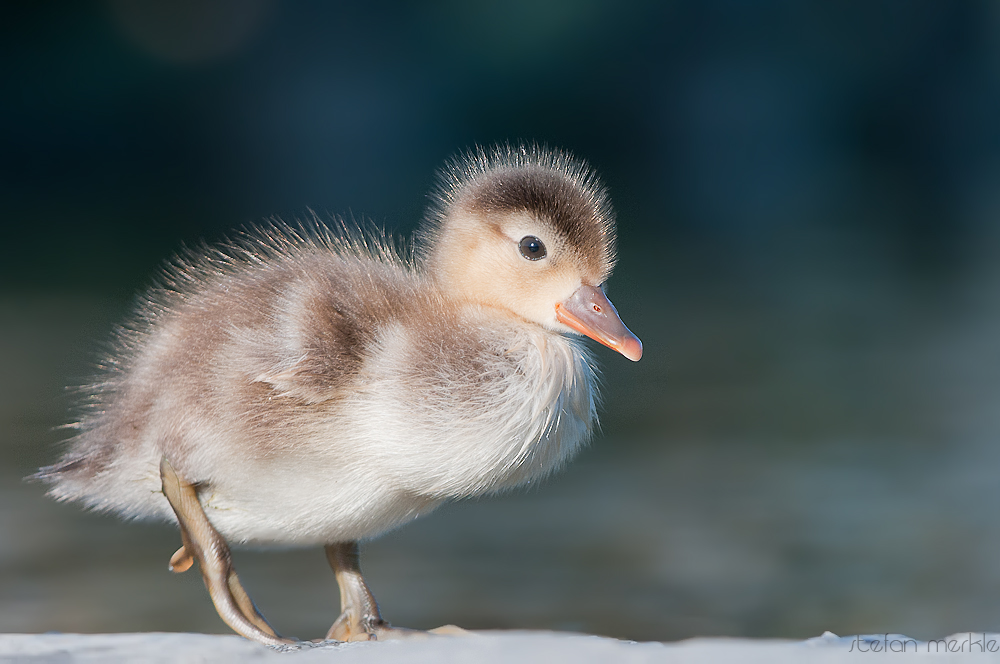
x=304, y=386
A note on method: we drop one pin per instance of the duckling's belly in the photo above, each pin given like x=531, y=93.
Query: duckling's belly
x=309, y=505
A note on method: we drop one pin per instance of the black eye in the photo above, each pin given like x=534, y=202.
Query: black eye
x=532, y=248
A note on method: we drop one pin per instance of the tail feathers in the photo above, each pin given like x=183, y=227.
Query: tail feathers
x=58, y=471
x=73, y=479
x=89, y=477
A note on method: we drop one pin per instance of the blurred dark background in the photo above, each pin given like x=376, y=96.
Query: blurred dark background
x=808, y=205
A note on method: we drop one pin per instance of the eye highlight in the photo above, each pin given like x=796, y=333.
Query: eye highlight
x=531, y=248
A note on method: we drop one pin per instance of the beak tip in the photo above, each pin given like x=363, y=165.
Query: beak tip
x=632, y=348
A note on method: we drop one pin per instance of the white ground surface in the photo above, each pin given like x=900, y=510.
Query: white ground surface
x=489, y=647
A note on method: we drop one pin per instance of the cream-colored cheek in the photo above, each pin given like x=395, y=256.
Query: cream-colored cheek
x=537, y=298
x=479, y=263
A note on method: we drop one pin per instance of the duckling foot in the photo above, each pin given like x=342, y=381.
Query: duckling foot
x=359, y=619
x=202, y=542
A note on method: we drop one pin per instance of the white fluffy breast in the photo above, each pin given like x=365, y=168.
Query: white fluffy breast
x=507, y=406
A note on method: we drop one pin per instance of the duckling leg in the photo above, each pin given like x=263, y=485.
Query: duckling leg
x=203, y=543
x=359, y=619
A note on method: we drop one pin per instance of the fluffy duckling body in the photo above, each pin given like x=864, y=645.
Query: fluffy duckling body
x=310, y=388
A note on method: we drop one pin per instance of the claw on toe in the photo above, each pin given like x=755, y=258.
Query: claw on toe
x=181, y=561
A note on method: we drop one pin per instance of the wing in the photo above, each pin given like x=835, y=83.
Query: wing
x=327, y=322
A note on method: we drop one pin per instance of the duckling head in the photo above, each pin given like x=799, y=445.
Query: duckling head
x=530, y=231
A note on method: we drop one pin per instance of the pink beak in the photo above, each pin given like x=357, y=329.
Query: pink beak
x=589, y=311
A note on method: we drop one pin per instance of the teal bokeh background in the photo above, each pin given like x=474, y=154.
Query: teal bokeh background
x=808, y=204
